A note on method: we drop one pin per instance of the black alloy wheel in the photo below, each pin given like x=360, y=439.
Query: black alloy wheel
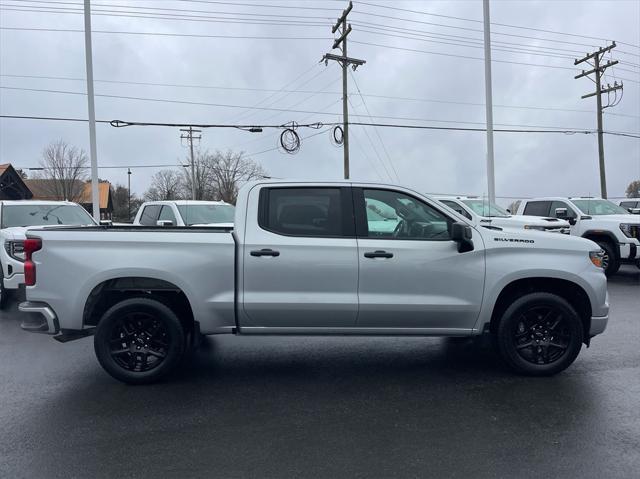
x=540, y=334
x=139, y=340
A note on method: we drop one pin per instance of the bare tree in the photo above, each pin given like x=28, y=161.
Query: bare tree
x=205, y=188
x=633, y=190
x=65, y=167
x=165, y=185
x=230, y=170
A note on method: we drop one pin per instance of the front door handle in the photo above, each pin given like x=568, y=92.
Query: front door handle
x=265, y=252
x=378, y=254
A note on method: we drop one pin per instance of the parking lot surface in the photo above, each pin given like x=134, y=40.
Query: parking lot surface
x=325, y=407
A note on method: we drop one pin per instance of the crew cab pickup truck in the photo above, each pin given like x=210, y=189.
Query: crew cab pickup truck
x=611, y=226
x=185, y=213
x=16, y=217
x=481, y=211
x=309, y=258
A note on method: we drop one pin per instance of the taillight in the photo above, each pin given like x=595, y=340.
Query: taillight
x=31, y=245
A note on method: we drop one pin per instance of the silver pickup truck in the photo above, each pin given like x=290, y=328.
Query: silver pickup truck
x=316, y=258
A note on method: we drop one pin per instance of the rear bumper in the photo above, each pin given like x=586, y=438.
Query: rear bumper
x=48, y=323
x=598, y=325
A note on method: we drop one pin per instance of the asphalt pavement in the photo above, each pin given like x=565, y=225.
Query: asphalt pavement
x=325, y=407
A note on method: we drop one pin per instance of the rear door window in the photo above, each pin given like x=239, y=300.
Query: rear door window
x=150, y=215
x=307, y=211
x=537, y=208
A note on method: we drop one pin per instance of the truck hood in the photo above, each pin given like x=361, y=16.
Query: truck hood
x=20, y=232
x=522, y=220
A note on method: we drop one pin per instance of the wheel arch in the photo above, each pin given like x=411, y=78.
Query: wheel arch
x=572, y=292
x=113, y=290
x=595, y=235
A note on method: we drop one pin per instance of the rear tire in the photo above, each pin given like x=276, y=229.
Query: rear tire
x=610, y=260
x=139, y=341
x=540, y=334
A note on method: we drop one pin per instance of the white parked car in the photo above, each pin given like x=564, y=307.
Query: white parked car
x=482, y=212
x=16, y=217
x=611, y=226
x=185, y=213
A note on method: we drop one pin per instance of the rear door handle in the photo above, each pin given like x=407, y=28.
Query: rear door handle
x=378, y=254
x=264, y=252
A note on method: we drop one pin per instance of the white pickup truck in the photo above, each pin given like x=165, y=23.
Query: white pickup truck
x=312, y=258
x=16, y=217
x=481, y=211
x=611, y=226
x=185, y=213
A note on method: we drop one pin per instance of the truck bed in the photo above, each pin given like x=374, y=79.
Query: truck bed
x=74, y=261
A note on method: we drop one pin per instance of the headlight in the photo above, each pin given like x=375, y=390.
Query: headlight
x=15, y=249
x=626, y=229
x=534, y=227
x=596, y=258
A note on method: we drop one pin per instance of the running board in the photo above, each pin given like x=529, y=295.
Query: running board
x=72, y=334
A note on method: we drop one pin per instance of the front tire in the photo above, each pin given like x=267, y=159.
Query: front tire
x=540, y=334
x=139, y=341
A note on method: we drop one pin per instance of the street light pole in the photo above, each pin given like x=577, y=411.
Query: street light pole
x=92, y=110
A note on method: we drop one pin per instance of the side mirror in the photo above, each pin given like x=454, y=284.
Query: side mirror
x=462, y=234
x=562, y=213
x=164, y=223
x=106, y=223
x=634, y=211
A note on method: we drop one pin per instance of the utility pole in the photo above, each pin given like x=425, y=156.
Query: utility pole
x=598, y=69
x=128, y=194
x=344, y=62
x=92, y=110
x=188, y=134
x=488, y=90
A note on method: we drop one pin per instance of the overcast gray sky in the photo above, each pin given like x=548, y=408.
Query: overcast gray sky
x=418, y=61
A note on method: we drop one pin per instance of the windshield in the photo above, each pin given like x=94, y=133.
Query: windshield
x=43, y=215
x=206, y=214
x=484, y=208
x=599, y=207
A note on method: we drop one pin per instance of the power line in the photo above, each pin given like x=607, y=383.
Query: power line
x=566, y=131
x=284, y=90
x=157, y=9
x=166, y=34
x=189, y=18
x=475, y=58
x=508, y=25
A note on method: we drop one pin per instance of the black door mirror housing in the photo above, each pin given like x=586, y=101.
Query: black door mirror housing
x=463, y=235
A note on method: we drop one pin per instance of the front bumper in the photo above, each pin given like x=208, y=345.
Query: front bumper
x=598, y=325
x=14, y=281
x=48, y=323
